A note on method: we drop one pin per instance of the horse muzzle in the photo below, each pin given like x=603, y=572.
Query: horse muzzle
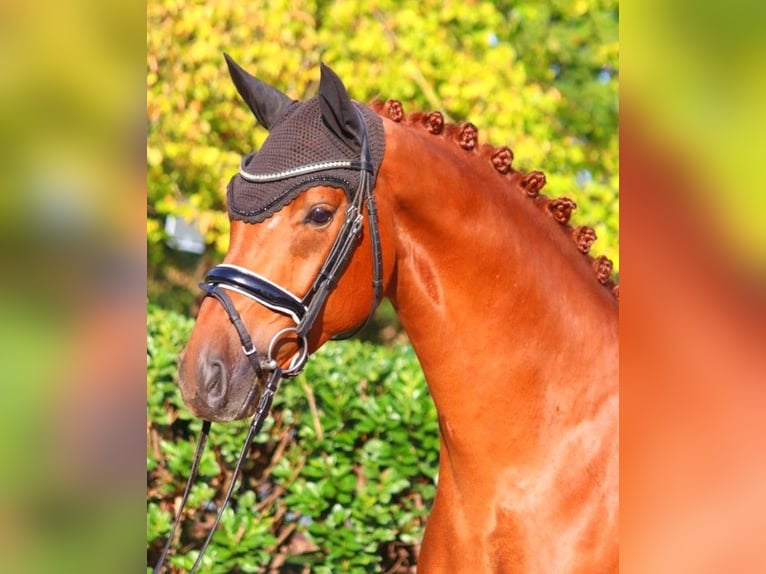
x=216, y=388
x=223, y=384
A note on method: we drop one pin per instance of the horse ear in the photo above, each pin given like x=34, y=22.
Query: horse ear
x=338, y=110
x=268, y=104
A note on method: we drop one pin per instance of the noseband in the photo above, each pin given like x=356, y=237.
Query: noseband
x=302, y=310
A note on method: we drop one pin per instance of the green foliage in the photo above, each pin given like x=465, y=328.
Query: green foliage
x=345, y=465
x=541, y=77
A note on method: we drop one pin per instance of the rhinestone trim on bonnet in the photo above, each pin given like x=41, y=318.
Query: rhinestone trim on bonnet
x=299, y=153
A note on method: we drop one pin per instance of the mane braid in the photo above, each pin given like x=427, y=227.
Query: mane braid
x=466, y=136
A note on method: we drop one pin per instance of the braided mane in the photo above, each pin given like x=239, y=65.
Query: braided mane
x=466, y=135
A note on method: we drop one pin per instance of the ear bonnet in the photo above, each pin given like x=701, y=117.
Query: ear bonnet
x=327, y=141
x=307, y=146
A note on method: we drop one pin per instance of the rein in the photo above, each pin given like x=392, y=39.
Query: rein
x=259, y=417
x=303, y=311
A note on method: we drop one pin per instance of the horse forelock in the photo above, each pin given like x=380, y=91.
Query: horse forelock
x=466, y=136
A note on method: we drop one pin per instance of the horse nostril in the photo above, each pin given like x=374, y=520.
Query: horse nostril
x=215, y=382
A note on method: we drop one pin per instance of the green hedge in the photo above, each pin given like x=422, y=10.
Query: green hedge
x=340, y=479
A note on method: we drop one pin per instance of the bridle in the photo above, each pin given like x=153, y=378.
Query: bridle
x=302, y=310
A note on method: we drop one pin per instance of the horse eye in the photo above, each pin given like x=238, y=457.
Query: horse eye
x=319, y=216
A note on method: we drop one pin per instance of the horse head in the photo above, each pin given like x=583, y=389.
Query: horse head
x=305, y=257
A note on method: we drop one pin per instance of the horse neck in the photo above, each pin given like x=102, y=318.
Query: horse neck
x=510, y=325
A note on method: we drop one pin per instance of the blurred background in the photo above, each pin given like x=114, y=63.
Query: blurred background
x=73, y=288
x=693, y=313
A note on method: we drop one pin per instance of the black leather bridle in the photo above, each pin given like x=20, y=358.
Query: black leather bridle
x=302, y=310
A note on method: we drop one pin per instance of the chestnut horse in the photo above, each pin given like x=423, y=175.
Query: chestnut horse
x=514, y=324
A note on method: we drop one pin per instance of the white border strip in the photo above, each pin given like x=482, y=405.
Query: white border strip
x=295, y=171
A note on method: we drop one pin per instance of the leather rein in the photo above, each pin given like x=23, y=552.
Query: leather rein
x=302, y=310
